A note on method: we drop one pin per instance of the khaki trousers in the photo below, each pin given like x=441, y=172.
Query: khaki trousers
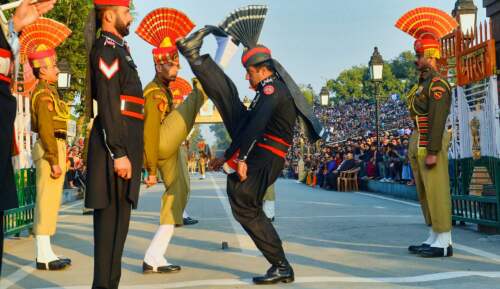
x=173, y=160
x=270, y=194
x=433, y=185
x=48, y=190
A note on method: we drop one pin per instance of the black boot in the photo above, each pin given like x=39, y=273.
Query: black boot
x=146, y=268
x=280, y=273
x=415, y=249
x=53, y=265
x=191, y=45
x=434, y=252
x=189, y=221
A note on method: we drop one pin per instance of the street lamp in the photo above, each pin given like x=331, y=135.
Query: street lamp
x=466, y=14
x=64, y=78
x=376, y=65
x=324, y=96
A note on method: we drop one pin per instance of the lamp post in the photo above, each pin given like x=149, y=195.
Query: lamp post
x=465, y=12
x=376, y=65
x=324, y=96
x=64, y=78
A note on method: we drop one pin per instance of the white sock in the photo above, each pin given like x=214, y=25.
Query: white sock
x=268, y=208
x=432, y=237
x=155, y=255
x=443, y=240
x=44, y=253
x=185, y=215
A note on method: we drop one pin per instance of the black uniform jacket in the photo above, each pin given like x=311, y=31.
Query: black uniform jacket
x=114, y=134
x=272, y=112
x=8, y=196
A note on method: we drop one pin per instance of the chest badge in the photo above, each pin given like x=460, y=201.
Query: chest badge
x=268, y=89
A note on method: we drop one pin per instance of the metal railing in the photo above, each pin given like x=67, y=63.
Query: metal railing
x=21, y=218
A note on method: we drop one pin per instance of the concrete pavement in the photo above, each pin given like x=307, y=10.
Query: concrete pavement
x=334, y=240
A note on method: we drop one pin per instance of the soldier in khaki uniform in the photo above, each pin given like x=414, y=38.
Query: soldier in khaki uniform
x=165, y=128
x=202, y=159
x=49, y=116
x=429, y=105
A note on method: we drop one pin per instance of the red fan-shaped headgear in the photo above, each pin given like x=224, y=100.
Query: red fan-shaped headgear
x=162, y=28
x=180, y=88
x=39, y=41
x=427, y=25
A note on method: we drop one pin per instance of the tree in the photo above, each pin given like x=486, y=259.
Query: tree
x=195, y=138
x=308, y=92
x=349, y=84
x=404, y=69
x=73, y=14
x=223, y=139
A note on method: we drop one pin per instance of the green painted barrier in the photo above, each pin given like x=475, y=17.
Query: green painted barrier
x=482, y=210
x=20, y=219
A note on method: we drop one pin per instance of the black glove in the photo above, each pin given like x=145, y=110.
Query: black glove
x=190, y=47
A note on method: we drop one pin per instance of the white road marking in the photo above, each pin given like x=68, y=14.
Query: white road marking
x=470, y=250
x=26, y=270
x=389, y=199
x=478, y=252
x=316, y=203
x=246, y=244
x=314, y=279
x=329, y=217
x=17, y=276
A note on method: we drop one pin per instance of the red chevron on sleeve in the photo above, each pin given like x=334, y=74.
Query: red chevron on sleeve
x=109, y=70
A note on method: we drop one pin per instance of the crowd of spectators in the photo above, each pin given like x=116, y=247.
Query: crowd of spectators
x=352, y=143
x=75, y=175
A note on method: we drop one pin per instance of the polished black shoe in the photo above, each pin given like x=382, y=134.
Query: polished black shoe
x=415, y=249
x=65, y=259
x=146, y=269
x=433, y=252
x=189, y=221
x=281, y=273
x=55, y=265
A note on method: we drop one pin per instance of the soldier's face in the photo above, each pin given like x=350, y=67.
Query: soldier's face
x=255, y=75
x=123, y=20
x=49, y=73
x=423, y=62
x=169, y=71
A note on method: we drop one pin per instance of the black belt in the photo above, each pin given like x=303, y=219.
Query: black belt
x=60, y=135
x=274, y=144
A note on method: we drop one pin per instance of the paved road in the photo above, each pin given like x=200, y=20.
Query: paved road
x=334, y=240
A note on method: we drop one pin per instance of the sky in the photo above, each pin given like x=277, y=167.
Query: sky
x=314, y=39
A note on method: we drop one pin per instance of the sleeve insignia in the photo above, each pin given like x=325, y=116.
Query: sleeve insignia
x=109, y=70
x=268, y=89
x=438, y=95
x=50, y=106
x=438, y=88
x=162, y=106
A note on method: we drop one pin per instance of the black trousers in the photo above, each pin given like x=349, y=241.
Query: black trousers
x=110, y=232
x=1, y=242
x=246, y=201
x=246, y=198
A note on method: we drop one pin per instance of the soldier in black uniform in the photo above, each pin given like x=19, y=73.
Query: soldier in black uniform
x=116, y=140
x=261, y=138
x=9, y=48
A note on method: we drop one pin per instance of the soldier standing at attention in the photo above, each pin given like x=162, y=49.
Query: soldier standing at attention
x=49, y=118
x=115, y=155
x=429, y=105
x=25, y=14
x=168, y=121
